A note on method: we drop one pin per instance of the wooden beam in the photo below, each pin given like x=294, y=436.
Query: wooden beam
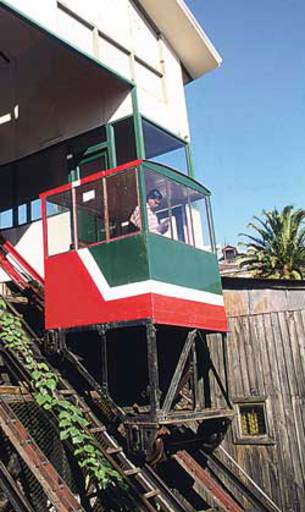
x=196, y=391
x=171, y=393
x=218, y=379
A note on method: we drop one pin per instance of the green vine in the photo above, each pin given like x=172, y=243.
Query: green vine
x=73, y=426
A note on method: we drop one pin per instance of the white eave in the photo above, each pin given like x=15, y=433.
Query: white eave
x=176, y=22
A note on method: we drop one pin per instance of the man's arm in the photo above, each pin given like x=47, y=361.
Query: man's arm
x=135, y=217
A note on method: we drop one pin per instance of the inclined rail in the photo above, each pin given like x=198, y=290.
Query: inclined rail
x=53, y=485
x=221, y=461
x=201, y=475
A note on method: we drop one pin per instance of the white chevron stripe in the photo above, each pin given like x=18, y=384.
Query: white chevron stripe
x=150, y=286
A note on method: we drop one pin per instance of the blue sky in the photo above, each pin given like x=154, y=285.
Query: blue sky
x=247, y=118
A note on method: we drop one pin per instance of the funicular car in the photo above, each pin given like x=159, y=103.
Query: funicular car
x=131, y=279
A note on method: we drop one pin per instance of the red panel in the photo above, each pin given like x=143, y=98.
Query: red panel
x=72, y=299
x=180, y=312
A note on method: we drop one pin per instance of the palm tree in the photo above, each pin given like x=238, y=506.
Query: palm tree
x=277, y=248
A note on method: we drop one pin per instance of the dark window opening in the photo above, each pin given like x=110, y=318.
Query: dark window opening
x=125, y=142
x=23, y=180
x=95, y=164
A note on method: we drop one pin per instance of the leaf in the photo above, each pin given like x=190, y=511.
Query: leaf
x=78, y=439
x=51, y=384
x=41, y=399
x=36, y=375
x=89, y=448
x=64, y=414
x=48, y=406
x=78, y=451
x=65, y=423
x=64, y=435
x=43, y=366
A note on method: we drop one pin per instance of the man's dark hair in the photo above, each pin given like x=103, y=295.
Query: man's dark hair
x=154, y=194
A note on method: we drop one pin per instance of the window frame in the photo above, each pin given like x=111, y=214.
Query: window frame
x=185, y=144
x=138, y=167
x=261, y=439
x=101, y=176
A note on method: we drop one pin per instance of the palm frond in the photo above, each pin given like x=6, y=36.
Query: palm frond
x=277, y=247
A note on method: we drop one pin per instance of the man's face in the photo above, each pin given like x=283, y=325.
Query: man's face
x=153, y=203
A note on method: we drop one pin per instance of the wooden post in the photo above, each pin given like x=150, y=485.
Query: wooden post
x=216, y=375
x=196, y=391
x=153, y=369
x=224, y=340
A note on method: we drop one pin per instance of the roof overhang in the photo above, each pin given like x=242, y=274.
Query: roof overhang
x=187, y=38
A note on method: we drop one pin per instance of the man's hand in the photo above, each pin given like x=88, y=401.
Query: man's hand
x=163, y=226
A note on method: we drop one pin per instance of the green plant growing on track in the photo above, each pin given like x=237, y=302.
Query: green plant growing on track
x=73, y=426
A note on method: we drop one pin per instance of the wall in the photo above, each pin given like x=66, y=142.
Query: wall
x=116, y=35
x=50, y=92
x=266, y=358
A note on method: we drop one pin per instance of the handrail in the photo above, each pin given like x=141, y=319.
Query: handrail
x=10, y=250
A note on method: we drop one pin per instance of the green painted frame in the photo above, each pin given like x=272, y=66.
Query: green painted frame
x=139, y=136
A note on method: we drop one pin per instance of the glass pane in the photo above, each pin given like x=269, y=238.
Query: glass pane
x=59, y=223
x=200, y=221
x=157, y=204
x=36, y=209
x=164, y=148
x=93, y=165
x=90, y=213
x=180, y=213
x=252, y=420
x=123, y=204
x=22, y=214
x=6, y=219
x=125, y=144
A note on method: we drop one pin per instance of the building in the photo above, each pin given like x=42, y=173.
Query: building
x=229, y=263
x=265, y=365
x=93, y=130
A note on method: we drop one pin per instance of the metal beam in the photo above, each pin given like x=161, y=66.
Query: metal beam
x=153, y=369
